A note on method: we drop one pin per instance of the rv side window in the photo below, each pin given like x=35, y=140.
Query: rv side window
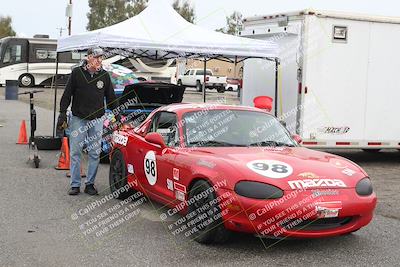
x=43, y=54
x=7, y=55
x=187, y=72
x=78, y=55
x=13, y=54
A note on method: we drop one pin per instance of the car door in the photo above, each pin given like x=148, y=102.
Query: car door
x=184, y=78
x=156, y=169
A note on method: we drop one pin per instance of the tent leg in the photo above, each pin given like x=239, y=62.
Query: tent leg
x=276, y=85
x=204, y=80
x=55, y=97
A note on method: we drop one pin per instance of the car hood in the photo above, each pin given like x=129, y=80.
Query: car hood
x=289, y=168
x=152, y=93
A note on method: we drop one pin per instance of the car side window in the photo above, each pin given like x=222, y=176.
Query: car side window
x=165, y=123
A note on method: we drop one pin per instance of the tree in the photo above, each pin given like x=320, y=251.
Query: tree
x=6, y=27
x=136, y=6
x=184, y=9
x=234, y=24
x=105, y=13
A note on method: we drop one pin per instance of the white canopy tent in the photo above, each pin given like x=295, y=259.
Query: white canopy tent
x=159, y=32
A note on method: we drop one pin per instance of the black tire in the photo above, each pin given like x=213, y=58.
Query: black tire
x=118, y=176
x=199, y=87
x=48, y=142
x=26, y=80
x=215, y=231
x=230, y=89
x=373, y=150
x=104, y=157
x=179, y=83
x=221, y=89
x=36, y=162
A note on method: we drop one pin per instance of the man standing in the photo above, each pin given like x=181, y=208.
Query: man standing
x=87, y=85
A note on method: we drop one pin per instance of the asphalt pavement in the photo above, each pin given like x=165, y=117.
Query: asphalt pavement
x=40, y=225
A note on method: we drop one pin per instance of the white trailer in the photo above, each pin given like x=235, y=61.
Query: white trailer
x=339, y=77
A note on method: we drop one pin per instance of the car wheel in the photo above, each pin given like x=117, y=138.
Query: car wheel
x=373, y=150
x=199, y=87
x=221, y=89
x=26, y=80
x=118, y=176
x=230, y=89
x=214, y=231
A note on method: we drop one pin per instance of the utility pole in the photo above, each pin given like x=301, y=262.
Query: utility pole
x=68, y=14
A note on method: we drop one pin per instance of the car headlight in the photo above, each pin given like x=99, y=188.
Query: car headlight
x=258, y=190
x=364, y=187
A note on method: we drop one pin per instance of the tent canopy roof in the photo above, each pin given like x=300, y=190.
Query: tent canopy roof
x=160, y=31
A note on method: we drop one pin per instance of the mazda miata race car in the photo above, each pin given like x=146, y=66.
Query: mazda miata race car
x=231, y=168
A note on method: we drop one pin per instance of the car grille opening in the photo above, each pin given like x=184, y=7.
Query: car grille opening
x=317, y=224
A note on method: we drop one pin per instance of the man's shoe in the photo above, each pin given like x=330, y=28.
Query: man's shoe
x=74, y=191
x=90, y=189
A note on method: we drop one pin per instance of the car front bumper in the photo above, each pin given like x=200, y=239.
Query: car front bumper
x=299, y=214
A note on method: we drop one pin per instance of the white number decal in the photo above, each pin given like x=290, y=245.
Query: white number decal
x=271, y=168
x=150, y=167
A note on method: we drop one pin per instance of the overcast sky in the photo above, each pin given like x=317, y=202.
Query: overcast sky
x=45, y=16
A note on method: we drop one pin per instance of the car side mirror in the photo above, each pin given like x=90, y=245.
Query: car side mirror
x=156, y=139
x=297, y=138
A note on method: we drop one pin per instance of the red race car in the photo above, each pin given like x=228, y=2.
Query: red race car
x=231, y=168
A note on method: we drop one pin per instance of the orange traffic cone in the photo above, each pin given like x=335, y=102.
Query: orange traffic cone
x=22, y=138
x=63, y=161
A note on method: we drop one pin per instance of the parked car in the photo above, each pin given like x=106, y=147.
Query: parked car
x=233, y=84
x=237, y=168
x=195, y=78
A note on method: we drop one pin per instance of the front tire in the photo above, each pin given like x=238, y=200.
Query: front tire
x=199, y=86
x=215, y=231
x=26, y=80
x=118, y=176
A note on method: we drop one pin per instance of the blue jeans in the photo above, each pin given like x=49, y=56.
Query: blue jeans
x=84, y=135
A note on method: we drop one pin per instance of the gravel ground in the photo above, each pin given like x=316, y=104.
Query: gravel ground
x=37, y=226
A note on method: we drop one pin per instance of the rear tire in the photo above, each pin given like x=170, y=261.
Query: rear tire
x=199, y=87
x=221, y=89
x=179, y=83
x=26, y=80
x=373, y=150
x=215, y=231
x=118, y=176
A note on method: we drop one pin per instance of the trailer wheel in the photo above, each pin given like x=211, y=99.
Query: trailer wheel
x=372, y=150
x=26, y=80
x=179, y=83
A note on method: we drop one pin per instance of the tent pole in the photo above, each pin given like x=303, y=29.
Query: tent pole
x=276, y=85
x=204, y=80
x=55, y=96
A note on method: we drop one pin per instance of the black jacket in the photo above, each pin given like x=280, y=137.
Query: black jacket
x=88, y=92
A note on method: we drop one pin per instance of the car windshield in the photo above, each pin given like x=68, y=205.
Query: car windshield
x=227, y=127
